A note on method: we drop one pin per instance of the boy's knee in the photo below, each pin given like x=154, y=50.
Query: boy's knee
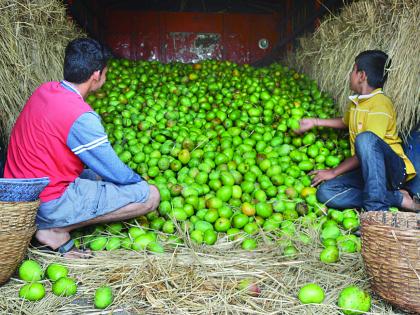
x=323, y=193
x=365, y=140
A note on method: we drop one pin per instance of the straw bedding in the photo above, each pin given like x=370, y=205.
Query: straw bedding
x=390, y=25
x=200, y=280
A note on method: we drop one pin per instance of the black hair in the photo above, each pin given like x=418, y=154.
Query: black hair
x=84, y=56
x=375, y=63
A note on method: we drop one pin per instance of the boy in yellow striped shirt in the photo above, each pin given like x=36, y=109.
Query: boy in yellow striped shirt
x=373, y=178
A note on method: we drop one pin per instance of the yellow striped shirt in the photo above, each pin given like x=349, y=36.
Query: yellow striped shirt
x=375, y=112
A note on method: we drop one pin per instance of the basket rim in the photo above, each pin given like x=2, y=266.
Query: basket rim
x=390, y=220
x=24, y=180
x=32, y=201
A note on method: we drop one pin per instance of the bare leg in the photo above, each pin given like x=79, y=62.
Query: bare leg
x=56, y=237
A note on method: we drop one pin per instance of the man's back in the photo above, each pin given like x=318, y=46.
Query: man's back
x=38, y=145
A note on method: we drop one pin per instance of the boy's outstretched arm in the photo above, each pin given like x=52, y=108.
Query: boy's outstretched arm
x=309, y=123
x=347, y=165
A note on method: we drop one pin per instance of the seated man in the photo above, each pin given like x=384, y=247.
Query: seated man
x=375, y=176
x=56, y=135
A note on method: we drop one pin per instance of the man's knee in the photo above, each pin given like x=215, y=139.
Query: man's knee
x=154, y=197
x=365, y=140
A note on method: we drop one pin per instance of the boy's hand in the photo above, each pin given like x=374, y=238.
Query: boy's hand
x=322, y=175
x=306, y=124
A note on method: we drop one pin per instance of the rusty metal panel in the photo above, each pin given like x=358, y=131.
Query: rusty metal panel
x=146, y=43
x=249, y=37
x=192, y=47
x=118, y=34
x=193, y=22
x=262, y=36
x=237, y=28
x=190, y=36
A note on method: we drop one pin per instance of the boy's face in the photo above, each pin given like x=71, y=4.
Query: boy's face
x=357, y=80
x=354, y=79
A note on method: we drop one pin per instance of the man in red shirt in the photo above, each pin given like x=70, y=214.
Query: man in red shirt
x=56, y=135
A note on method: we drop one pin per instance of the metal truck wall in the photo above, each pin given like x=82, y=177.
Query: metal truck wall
x=190, y=36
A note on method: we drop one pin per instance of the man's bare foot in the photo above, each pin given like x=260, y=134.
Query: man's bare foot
x=409, y=203
x=55, y=240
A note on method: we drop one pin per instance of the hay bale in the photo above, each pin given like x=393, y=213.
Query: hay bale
x=32, y=40
x=390, y=25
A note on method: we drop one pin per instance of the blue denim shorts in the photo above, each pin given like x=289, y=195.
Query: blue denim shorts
x=86, y=199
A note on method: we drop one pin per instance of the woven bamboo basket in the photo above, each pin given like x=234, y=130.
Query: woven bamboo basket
x=391, y=253
x=17, y=225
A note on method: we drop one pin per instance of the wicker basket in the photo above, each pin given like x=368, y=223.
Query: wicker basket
x=391, y=253
x=17, y=225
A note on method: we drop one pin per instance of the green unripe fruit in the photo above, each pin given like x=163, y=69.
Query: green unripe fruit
x=98, y=243
x=32, y=291
x=113, y=243
x=329, y=254
x=155, y=247
x=64, y=287
x=311, y=293
x=30, y=270
x=210, y=237
x=56, y=271
x=249, y=244
x=197, y=236
x=354, y=301
x=103, y=297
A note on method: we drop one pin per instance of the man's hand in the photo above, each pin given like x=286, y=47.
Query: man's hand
x=322, y=175
x=306, y=124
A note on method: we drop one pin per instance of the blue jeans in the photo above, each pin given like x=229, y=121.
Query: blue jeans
x=412, y=150
x=374, y=185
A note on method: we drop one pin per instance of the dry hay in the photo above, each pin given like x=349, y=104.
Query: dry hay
x=390, y=25
x=198, y=280
x=33, y=35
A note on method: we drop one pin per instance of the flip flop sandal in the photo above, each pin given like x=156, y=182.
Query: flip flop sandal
x=61, y=250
